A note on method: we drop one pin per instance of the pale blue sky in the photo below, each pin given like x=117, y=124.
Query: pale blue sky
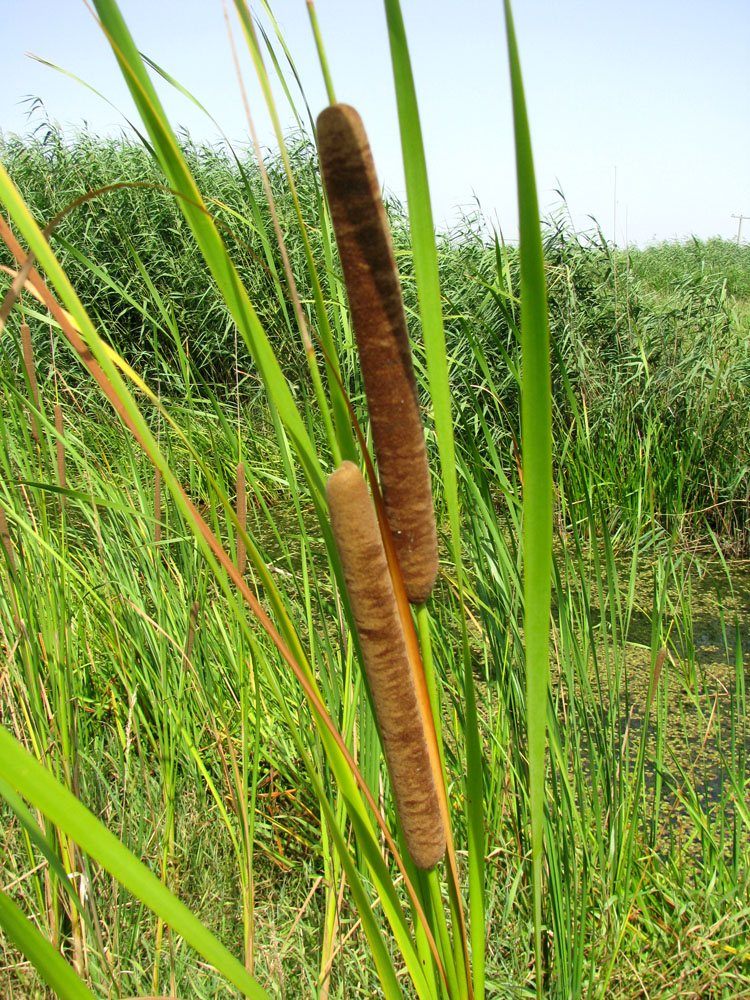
x=640, y=111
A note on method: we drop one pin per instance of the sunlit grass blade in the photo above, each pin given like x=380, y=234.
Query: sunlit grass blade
x=536, y=421
x=312, y=14
x=430, y=304
x=206, y=234
x=344, y=437
x=50, y=964
x=37, y=785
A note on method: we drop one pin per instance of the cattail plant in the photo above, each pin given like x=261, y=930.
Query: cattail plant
x=377, y=308
x=28, y=360
x=368, y=582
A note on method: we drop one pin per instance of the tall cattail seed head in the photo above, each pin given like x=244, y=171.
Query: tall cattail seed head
x=374, y=291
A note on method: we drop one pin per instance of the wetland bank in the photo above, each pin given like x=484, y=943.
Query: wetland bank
x=135, y=679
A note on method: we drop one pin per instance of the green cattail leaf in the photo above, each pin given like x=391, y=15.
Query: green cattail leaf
x=35, y=783
x=206, y=234
x=47, y=961
x=430, y=306
x=536, y=420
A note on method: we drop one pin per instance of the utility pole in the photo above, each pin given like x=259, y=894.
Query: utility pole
x=739, y=226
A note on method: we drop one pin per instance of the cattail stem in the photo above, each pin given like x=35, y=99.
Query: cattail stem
x=379, y=321
x=61, y=479
x=386, y=663
x=28, y=360
x=241, y=517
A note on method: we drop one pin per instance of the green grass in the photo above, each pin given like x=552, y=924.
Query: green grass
x=650, y=361
x=144, y=681
x=121, y=736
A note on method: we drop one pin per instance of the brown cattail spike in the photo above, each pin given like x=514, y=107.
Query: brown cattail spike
x=373, y=602
x=372, y=284
x=28, y=360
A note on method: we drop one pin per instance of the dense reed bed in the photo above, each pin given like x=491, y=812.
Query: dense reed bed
x=184, y=651
x=650, y=346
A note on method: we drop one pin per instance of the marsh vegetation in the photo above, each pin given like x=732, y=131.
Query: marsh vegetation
x=131, y=669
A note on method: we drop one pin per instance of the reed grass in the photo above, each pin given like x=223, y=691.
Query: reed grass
x=664, y=370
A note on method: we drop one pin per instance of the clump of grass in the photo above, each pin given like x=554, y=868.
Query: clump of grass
x=194, y=744
x=650, y=347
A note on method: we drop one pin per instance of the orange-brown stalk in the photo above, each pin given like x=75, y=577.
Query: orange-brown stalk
x=386, y=662
x=28, y=360
x=241, y=517
x=61, y=479
x=374, y=291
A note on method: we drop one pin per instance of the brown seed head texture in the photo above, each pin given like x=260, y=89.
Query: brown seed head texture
x=373, y=602
x=374, y=291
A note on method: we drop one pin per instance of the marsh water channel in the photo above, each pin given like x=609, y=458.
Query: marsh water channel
x=670, y=648
x=681, y=620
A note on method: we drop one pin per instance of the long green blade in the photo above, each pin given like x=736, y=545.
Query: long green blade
x=62, y=808
x=536, y=419
x=47, y=961
x=430, y=306
x=206, y=234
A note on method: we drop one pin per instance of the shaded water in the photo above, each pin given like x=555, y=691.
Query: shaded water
x=689, y=631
